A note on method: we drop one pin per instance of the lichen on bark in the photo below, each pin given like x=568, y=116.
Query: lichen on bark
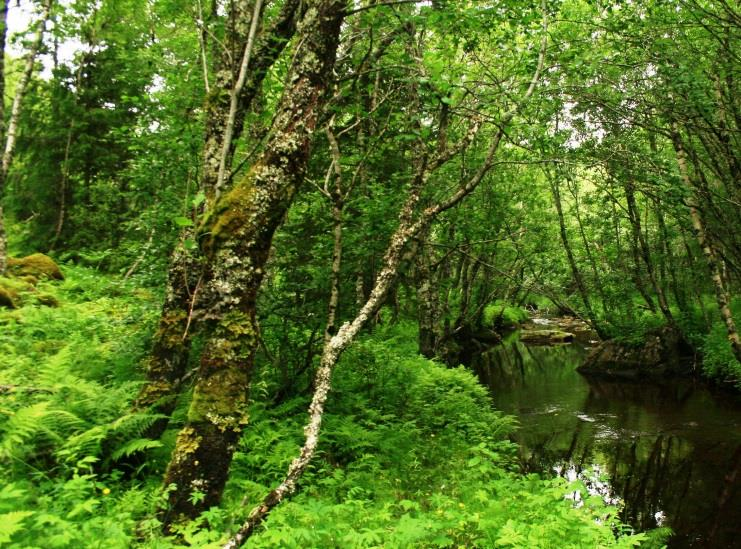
x=235, y=239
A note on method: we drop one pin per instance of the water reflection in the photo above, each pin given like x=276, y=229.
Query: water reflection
x=671, y=450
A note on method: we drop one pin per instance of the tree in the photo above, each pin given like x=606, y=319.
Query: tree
x=235, y=238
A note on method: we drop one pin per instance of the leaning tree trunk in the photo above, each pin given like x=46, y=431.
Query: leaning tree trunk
x=236, y=239
x=639, y=240
x=168, y=359
x=576, y=273
x=410, y=225
x=721, y=294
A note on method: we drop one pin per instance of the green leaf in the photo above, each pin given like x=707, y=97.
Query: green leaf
x=198, y=199
x=181, y=221
x=10, y=523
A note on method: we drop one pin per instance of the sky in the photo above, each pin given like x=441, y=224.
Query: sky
x=21, y=14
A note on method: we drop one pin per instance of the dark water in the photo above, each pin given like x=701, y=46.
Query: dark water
x=671, y=450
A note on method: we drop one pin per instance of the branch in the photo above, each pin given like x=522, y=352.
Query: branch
x=236, y=91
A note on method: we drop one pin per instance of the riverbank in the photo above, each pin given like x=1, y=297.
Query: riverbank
x=665, y=450
x=413, y=454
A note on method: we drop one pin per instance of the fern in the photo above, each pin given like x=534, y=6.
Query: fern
x=10, y=523
x=134, y=446
x=36, y=423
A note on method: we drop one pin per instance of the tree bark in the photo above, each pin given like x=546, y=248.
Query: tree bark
x=20, y=91
x=167, y=362
x=721, y=294
x=9, y=135
x=236, y=237
x=427, y=299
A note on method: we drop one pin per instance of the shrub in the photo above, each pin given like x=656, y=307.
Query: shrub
x=499, y=315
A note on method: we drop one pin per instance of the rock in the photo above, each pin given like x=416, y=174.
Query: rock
x=35, y=265
x=29, y=279
x=47, y=299
x=7, y=298
x=664, y=352
x=545, y=337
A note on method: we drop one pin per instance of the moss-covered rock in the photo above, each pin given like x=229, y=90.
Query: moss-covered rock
x=7, y=298
x=29, y=279
x=47, y=300
x=664, y=351
x=36, y=265
x=545, y=337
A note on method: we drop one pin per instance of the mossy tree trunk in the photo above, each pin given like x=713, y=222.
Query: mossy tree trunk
x=168, y=360
x=236, y=238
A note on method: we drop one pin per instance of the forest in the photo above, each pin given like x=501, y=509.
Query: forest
x=370, y=273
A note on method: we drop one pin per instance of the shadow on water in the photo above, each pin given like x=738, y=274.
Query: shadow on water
x=671, y=449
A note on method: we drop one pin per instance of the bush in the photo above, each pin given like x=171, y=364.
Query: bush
x=718, y=360
x=500, y=316
x=412, y=454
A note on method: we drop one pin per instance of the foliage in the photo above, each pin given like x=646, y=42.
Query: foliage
x=69, y=374
x=718, y=361
x=500, y=315
x=412, y=453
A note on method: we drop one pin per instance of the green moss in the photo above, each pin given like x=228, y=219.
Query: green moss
x=47, y=300
x=7, y=299
x=30, y=279
x=36, y=265
x=172, y=327
x=228, y=214
x=187, y=443
x=16, y=285
x=500, y=315
x=222, y=399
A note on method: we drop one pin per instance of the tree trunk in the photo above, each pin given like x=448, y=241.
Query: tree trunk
x=20, y=91
x=721, y=294
x=236, y=237
x=9, y=136
x=587, y=247
x=640, y=240
x=166, y=364
x=168, y=359
x=575, y=272
x=427, y=299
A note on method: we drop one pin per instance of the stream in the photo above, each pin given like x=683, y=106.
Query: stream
x=668, y=452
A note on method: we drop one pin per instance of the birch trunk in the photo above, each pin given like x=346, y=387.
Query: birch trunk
x=20, y=91
x=9, y=136
x=721, y=294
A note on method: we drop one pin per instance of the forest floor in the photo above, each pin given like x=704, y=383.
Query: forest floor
x=412, y=453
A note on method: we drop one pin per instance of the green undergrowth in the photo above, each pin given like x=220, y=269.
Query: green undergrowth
x=411, y=454
x=67, y=376
x=719, y=361
x=502, y=316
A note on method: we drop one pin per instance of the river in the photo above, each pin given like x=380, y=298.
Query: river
x=669, y=452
